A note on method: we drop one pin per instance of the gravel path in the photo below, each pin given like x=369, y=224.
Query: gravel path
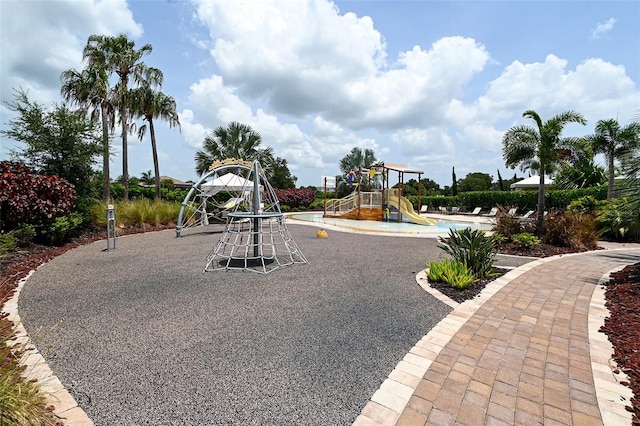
x=141, y=336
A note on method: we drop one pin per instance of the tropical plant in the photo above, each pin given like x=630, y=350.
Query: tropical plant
x=357, y=159
x=473, y=248
x=236, y=140
x=452, y=272
x=586, y=205
x=90, y=90
x=619, y=220
x=541, y=148
x=147, y=177
x=584, y=174
x=614, y=141
x=118, y=55
x=149, y=105
x=525, y=239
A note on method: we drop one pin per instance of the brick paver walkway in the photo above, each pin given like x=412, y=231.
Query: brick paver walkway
x=521, y=356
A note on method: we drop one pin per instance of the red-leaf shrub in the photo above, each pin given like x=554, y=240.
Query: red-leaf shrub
x=31, y=199
x=295, y=198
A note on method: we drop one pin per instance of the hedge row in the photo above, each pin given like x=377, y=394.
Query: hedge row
x=523, y=200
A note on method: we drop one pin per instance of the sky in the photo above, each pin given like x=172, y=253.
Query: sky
x=429, y=84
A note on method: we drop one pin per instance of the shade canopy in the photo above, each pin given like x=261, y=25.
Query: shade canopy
x=227, y=182
x=531, y=182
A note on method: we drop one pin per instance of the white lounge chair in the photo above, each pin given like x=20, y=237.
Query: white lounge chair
x=475, y=211
x=528, y=214
x=454, y=210
x=423, y=209
x=493, y=212
x=442, y=209
x=512, y=212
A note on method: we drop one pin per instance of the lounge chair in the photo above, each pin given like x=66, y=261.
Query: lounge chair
x=512, y=212
x=442, y=209
x=528, y=214
x=454, y=210
x=423, y=209
x=493, y=212
x=475, y=211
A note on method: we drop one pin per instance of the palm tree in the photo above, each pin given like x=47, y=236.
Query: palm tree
x=89, y=89
x=614, y=142
x=541, y=148
x=150, y=104
x=234, y=141
x=357, y=158
x=121, y=57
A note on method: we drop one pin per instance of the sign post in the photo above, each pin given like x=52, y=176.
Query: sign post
x=111, y=226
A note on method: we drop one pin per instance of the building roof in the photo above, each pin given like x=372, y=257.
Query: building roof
x=531, y=182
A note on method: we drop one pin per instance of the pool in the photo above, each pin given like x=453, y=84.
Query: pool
x=442, y=228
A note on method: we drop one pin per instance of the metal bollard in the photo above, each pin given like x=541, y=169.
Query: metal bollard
x=111, y=226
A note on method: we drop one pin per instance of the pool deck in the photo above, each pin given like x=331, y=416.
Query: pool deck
x=527, y=351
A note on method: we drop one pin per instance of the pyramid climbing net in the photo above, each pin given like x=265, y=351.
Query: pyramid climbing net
x=255, y=237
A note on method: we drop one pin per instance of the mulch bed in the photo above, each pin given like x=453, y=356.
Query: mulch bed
x=468, y=293
x=623, y=329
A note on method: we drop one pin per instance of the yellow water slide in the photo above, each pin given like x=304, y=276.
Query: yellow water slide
x=406, y=208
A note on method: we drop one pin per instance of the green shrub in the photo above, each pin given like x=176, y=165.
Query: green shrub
x=588, y=205
x=619, y=220
x=473, y=248
x=58, y=230
x=8, y=243
x=24, y=234
x=452, y=272
x=525, y=239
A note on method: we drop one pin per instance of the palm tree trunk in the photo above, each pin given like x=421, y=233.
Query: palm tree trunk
x=611, y=178
x=106, y=178
x=540, y=219
x=156, y=165
x=125, y=157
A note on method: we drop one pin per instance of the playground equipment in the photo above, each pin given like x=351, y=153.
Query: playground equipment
x=386, y=204
x=255, y=237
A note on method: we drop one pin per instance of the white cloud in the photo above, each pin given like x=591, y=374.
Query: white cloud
x=37, y=50
x=603, y=27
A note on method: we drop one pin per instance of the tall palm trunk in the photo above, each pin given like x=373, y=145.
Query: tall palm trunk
x=125, y=156
x=611, y=177
x=540, y=218
x=156, y=164
x=106, y=178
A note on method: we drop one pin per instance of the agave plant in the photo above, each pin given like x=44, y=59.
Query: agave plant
x=473, y=248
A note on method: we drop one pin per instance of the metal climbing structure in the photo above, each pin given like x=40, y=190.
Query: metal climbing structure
x=255, y=237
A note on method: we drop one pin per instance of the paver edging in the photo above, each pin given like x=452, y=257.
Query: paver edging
x=66, y=407
x=460, y=314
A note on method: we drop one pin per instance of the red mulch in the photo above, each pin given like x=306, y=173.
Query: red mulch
x=623, y=329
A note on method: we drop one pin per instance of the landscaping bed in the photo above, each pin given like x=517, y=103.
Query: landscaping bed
x=623, y=328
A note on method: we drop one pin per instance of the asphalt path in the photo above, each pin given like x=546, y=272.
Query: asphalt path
x=141, y=336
